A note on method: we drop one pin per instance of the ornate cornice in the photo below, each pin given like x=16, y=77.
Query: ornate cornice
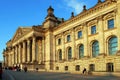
x=58, y=36
x=67, y=32
x=109, y=15
x=93, y=22
x=88, y=12
x=39, y=29
x=78, y=28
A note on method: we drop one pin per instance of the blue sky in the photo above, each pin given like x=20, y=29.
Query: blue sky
x=15, y=13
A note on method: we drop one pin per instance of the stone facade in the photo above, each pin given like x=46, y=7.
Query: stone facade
x=56, y=44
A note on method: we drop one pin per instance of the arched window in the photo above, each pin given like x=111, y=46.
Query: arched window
x=112, y=45
x=69, y=53
x=60, y=54
x=95, y=48
x=81, y=51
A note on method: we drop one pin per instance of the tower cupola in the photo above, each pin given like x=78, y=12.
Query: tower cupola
x=50, y=12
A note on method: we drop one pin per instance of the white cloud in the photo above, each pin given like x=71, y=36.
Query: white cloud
x=75, y=4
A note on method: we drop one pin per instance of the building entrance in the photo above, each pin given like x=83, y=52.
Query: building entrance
x=110, y=67
x=92, y=67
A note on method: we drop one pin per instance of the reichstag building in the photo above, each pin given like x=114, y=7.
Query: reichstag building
x=88, y=40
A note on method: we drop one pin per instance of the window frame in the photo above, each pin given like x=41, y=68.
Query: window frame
x=111, y=47
x=77, y=67
x=79, y=35
x=60, y=54
x=68, y=38
x=92, y=29
x=69, y=53
x=95, y=49
x=81, y=50
x=59, y=41
x=110, y=24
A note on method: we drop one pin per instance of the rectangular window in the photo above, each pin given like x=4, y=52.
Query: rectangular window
x=66, y=68
x=110, y=23
x=79, y=34
x=77, y=68
x=93, y=29
x=59, y=41
x=57, y=68
x=68, y=38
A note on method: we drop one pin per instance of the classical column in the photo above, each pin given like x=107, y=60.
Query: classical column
x=33, y=49
x=14, y=55
x=43, y=49
x=12, y=58
x=16, y=58
x=85, y=34
x=23, y=52
x=19, y=52
x=101, y=36
x=73, y=44
x=39, y=55
x=28, y=50
x=4, y=59
x=7, y=60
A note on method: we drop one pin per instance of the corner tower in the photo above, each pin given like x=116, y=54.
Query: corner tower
x=50, y=19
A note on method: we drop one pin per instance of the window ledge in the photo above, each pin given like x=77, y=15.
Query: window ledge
x=93, y=34
x=110, y=29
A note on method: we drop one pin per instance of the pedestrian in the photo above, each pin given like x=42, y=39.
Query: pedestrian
x=84, y=70
x=37, y=69
x=25, y=69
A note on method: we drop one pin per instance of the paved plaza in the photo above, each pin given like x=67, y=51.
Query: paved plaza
x=14, y=75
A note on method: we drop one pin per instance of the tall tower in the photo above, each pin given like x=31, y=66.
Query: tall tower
x=50, y=20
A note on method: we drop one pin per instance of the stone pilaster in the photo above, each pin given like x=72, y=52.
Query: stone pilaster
x=73, y=44
x=63, y=47
x=54, y=48
x=28, y=50
x=33, y=49
x=85, y=35
x=101, y=36
x=117, y=22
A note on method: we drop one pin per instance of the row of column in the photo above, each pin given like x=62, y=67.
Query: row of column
x=22, y=51
x=27, y=51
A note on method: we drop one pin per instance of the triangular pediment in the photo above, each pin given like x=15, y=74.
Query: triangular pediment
x=20, y=32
